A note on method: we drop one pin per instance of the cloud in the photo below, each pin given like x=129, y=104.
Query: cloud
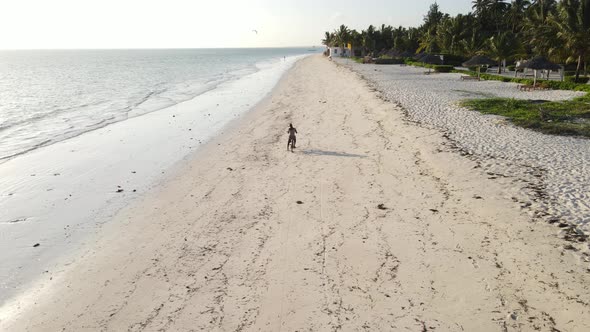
x=335, y=16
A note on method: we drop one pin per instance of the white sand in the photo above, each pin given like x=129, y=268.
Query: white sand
x=59, y=194
x=558, y=166
x=224, y=246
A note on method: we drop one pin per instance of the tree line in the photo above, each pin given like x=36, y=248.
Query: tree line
x=502, y=30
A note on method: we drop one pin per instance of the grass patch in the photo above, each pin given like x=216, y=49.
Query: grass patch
x=357, y=59
x=568, y=118
x=554, y=85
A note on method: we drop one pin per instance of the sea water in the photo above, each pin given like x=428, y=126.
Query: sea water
x=83, y=133
x=51, y=95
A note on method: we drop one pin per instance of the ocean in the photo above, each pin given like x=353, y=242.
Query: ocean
x=51, y=95
x=84, y=133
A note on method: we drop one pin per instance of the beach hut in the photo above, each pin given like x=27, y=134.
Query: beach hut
x=479, y=60
x=540, y=63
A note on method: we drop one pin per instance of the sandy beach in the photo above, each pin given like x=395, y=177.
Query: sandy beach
x=374, y=223
x=551, y=173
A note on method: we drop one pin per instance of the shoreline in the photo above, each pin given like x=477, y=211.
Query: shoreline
x=60, y=195
x=39, y=287
x=391, y=233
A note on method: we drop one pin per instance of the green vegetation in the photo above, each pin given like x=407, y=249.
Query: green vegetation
x=557, y=118
x=554, y=85
x=581, y=79
x=443, y=69
x=503, y=30
x=388, y=61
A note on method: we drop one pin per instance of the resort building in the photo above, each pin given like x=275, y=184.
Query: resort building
x=344, y=52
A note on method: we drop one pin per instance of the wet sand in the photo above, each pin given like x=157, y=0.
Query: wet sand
x=373, y=223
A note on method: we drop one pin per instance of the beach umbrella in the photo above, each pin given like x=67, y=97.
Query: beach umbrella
x=479, y=60
x=540, y=63
x=406, y=54
x=431, y=59
x=418, y=56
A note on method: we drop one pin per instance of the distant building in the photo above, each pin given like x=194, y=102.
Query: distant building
x=342, y=52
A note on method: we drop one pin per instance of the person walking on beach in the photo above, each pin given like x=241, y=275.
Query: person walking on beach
x=292, y=138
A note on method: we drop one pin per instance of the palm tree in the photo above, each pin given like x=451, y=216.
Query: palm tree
x=399, y=39
x=517, y=13
x=412, y=39
x=573, y=28
x=451, y=31
x=491, y=14
x=356, y=40
x=369, y=39
x=342, y=36
x=428, y=42
x=383, y=38
x=328, y=39
x=472, y=45
x=541, y=36
x=433, y=18
x=503, y=46
x=556, y=29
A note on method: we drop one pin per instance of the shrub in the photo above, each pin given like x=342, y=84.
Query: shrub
x=443, y=68
x=567, y=86
x=453, y=60
x=513, y=68
x=474, y=68
x=388, y=61
x=581, y=79
x=556, y=85
x=419, y=64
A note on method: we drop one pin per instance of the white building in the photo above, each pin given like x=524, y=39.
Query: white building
x=340, y=52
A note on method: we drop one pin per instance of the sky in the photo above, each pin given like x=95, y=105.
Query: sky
x=56, y=24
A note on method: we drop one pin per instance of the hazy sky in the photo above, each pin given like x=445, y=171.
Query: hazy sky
x=197, y=23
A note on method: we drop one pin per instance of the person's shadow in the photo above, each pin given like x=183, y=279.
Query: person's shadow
x=314, y=152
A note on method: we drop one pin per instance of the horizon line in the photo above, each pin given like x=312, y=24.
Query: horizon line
x=151, y=48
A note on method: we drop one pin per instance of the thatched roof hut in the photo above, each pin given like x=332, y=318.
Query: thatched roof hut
x=479, y=60
x=541, y=63
x=431, y=59
x=406, y=54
